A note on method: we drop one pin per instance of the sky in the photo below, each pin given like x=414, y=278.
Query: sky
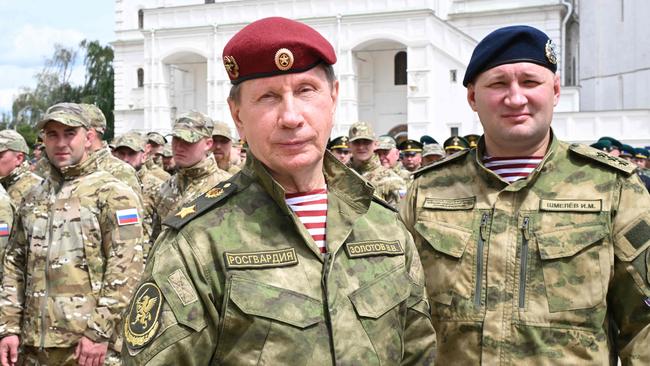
x=29, y=30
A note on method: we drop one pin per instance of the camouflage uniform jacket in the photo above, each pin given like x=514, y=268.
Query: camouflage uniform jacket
x=42, y=167
x=403, y=172
x=150, y=185
x=150, y=167
x=244, y=282
x=185, y=186
x=389, y=186
x=117, y=168
x=536, y=271
x=231, y=169
x=72, y=263
x=19, y=182
x=6, y=223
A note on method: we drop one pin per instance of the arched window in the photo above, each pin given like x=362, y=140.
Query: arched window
x=140, y=19
x=140, y=78
x=400, y=68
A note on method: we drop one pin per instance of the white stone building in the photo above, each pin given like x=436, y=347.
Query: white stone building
x=400, y=62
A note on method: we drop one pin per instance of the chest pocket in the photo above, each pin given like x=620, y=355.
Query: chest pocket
x=575, y=275
x=257, y=314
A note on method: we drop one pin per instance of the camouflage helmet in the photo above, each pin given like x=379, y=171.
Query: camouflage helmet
x=12, y=140
x=361, y=131
x=69, y=114
x=221, y=129
x=131, y=140
x=192, y=127
x=95, y=116
x=386, y=142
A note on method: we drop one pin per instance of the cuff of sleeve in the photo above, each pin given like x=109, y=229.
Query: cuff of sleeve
x=95, y=336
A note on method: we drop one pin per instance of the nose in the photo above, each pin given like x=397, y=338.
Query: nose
x=290, y=116
x=515, y=96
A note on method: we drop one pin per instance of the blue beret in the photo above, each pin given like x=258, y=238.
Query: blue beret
x=517, y=43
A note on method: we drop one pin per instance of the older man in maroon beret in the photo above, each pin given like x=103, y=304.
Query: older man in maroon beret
x=292, y=261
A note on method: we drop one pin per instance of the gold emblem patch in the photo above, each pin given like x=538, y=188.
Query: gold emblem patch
x=214, y=192
x=231, y=66
x=142, y=322
x=283, y=59
x=186, y=211
x=551, y=54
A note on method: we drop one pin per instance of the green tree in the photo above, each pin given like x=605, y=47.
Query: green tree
x=98, y=88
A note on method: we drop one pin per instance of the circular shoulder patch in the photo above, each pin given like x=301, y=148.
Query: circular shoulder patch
x=142, y=322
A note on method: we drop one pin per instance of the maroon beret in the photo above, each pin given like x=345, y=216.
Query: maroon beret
x=275, y=46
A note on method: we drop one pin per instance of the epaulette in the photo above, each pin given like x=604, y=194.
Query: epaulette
x=383, y=203
x=445, y=160
x=604, y=158
x=201, y=204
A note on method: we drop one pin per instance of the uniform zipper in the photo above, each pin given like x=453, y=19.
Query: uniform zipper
x=326, y=307
x=47, y=278
x=479, y=260
x=523, y=263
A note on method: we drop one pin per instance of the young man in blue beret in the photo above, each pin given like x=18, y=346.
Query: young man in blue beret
x=292, y=261
x=535, y=251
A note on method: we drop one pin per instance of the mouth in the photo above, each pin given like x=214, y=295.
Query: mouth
x=516, y=117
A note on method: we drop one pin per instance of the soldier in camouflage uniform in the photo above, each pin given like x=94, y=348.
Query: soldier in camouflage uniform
x=155, y=143
x=130, y=148
x=537, y=270
x=389, y=186
x=105, y=159
x=7, y=214
x=388, y=155
x=197, y=169
x=74, y=256
x=15, y=174
x=168, y=159
x=222, y=147
x=238, y=279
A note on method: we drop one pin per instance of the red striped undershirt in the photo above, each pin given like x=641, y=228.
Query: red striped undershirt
x=311, y=209
x=512, y=169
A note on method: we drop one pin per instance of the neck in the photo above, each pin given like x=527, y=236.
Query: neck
x=224, y=163
x=301, y=181
x=513, y=150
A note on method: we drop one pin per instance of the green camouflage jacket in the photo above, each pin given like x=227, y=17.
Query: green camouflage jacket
x=238, y=280
x=74, y=257
x=184, y=187
x=538, y=271
x=117, y=168
x=389, y=186
x=19, y=182
x=150, y=167
x=6, y=223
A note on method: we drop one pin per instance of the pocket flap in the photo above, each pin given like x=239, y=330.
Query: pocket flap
x=446, y=238
x=379, y=296
x=567, y=242
x=263, y=300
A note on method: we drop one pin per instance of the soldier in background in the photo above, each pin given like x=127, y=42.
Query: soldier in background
x=472, y=140
x=15, y=174
x=340, y=148
x=388, y=155
x=411, y=151
x=73, y=258
x=534, y=249
x=7, y=216
x=389, y=186
x=245, y=274
x=432, y=153
x=168, y=159
x=222, y=147
x=155, y=143
x=197, y=169
x=455, y=144
x=613, y=145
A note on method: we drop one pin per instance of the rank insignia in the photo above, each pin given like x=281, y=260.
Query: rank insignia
x=214, y=192
x=283, y=59
x=142, y=322
x=551, y=54
x=186, y=211
x=231, y=66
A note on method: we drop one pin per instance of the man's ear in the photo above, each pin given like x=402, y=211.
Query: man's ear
x=471, y=96
x=234, y=113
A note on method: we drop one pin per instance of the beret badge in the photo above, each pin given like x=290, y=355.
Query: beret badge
x=551, y=54
x=283, y=59
x=231, y=66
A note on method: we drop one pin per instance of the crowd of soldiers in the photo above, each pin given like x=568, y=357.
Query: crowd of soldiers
x=509, y=247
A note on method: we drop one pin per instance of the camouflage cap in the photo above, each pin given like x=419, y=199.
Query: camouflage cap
x=69, y=114
x=95, y=116
x=361, y=131
x=221, y=129
x=433, y=149
x=192, y=127
x=132, y=140
x=12, y=140
x=167, y=151
x=386, y=142
x=156, y=138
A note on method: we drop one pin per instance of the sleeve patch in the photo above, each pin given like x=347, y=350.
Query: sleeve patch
x=142, y=322
x=129, y=216
x=639, y=234
x=4, y=229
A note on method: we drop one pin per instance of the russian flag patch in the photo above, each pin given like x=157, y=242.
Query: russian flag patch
x=4, y=229
x=127, y=217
